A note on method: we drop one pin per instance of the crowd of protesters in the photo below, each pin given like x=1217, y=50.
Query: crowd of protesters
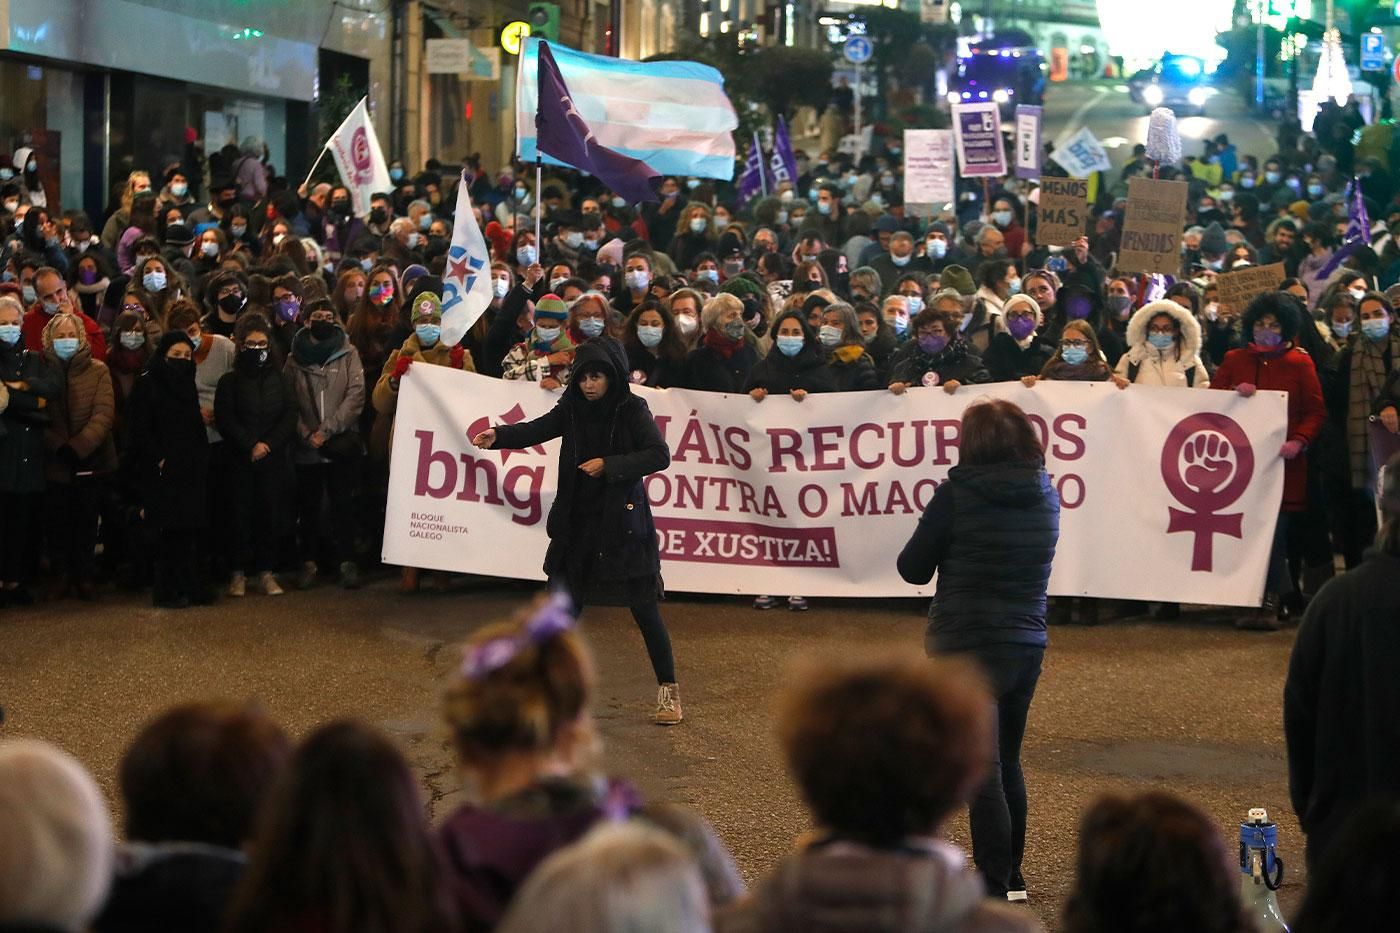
x=201, y=385
x=228, y=825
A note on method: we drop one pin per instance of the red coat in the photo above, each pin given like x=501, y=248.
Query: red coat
x=35, y=320
x=1294, y=372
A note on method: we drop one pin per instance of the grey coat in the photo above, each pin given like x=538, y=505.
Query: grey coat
x=329, y=396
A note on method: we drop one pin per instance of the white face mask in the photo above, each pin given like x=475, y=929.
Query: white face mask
x=686, y=323
x=500, y=287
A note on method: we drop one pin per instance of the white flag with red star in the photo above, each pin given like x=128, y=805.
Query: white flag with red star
x=466, y=282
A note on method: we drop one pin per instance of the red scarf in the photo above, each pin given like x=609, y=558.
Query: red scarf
x=722, y=343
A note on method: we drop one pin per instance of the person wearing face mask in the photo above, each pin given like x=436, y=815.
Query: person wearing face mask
x=684, y=306
x=1077, y=303
x=937, y=355
x=51, y=297
x=795, y=366
x=510, y=315
x=26, y=162
x=255, y=410
x=328, y=381
x=636, y=280
x=852, y=367
x=1020, y=350
x=1006, y=214
x=519, y=201
x=655, y=353
x=895, y=312
x=159, y=284
x=1271, y=361
x=341, y=226
x=27, y=390
x=286, y=315
x=90, y=283
x=899, y=260
x=937, y=244
x=176, y=192
x=81, y=455
x=997, y=281
x=588, y=317
x=225, y=297
x=546, y=353
x=726, y=352
x=1164, y=346
x=565, y=245
x=169, y=458
x=1356, y=389
x=401, y=246
x=695, y=234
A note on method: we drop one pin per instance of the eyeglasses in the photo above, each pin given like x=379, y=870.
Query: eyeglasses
x=134, y=309
x=255, y=346
x=327, y=318
x=1081, y=344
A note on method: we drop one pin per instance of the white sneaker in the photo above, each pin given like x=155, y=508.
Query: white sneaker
x=269, y=584
x=237, y=585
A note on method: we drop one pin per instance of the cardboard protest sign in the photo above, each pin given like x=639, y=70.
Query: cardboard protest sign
x=1236, y=289
x=1064, y=210
x=1152, y=226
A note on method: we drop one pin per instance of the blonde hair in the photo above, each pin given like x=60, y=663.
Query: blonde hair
x=620, y=878
x=56, y=859
x=129, y=192
x=524, y=705
x=714, y=309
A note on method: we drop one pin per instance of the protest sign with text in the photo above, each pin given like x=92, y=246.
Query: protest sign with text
x=977, y=128
x=1081, y=155
x=929, y=173
x=1166, y=495
x=1152, y=226
x=1027, y=141
x=1235, y=289
x=1063, y=212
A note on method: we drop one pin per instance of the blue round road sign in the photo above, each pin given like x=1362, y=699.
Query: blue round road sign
x=858, y=50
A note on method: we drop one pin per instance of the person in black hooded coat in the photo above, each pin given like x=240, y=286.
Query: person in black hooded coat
x=169, y=457
x=795, y=371
x=602, y=539
x=1077, y=302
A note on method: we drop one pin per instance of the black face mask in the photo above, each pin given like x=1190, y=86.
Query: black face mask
x=340, y=207
x=253, y=358
x=378, y=215
x=180, y=369
x=320, y=330
x=232, y=304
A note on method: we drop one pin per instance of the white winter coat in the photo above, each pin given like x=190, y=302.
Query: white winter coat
x=1164, y=368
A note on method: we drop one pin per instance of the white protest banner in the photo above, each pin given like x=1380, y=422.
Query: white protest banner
x=929, y=173
x=355, y=148
x=466, y=282
x=1027, y=141
x=1081, y=155
x=1166, y=494
x=977, y=129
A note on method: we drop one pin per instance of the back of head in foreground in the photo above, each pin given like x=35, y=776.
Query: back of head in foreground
x=1153, y=863
x=55, y=839
x=620, y=878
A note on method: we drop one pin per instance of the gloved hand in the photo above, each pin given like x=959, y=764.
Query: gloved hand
x=1246, y=389
x=456, y=356
x=1290, y=449
x=405, y=360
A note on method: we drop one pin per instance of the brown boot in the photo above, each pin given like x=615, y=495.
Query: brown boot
x=668, y=705
x=408, y=581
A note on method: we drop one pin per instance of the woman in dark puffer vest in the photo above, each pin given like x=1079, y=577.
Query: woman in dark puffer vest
x=990, y=532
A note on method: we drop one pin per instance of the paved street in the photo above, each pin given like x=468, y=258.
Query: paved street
x=1191, y=706
x=1119, y=123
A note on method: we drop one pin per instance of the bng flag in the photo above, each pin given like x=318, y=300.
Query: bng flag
x=466, y=282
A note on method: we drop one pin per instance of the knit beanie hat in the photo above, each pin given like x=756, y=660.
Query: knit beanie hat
x=1213, y=240
x=552, y=307
x=957, y=277
x=741, y=285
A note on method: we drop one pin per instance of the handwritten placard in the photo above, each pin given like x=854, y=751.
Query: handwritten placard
x=1236, y=289
x=1152, y=225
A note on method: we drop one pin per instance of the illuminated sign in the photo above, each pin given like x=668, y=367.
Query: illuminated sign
x=514, y=35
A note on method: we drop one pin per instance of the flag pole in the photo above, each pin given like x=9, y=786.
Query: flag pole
x=314, y=165
x=762, y=175
x=539, y=166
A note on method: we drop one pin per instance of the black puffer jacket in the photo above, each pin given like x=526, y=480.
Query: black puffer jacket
x=1007, y=360
x=956, y=362
x=779, y=373
x=711, y=371
x=256, y=404
x=990, y=533
x=169, y=446
x=626, y=535
x=23, y=421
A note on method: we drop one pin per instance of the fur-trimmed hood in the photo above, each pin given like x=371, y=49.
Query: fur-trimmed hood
x=1138, y=347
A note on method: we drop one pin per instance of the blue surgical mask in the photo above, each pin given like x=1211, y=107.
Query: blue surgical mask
x=1074, y=355
x=829, y=335
x=9, y=334
x=396, y=174
x=1342, y=329
x=789, y=345
x=637, y=280
x=179, y=190
x=1001, y=218
x=1246, y=182
x=65, y=347
x=521, y=194
x=697, y=225
x=526, y=255
x=500, y=287
x=900, y=325
x=366, y=264
x=573, y=239
x=237, y=230
x=1377, y=328
x=546, y=334
x=1014, y=287
x=1272, y=177
x=915, y=303
x=425, y=221
x=649, y=335
x=428, y=334
x=823, y=207
x=591, y=326
x=1161, y=341
x=30, y=295
x=413, y=239
x=1315, y=191
x=154, y=280
x=937, y=249
x=711, y=274
x=132, y=339
x=209, y=249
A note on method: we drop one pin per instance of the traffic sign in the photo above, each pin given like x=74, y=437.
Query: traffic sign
x=1372, y=51
x=858, y=50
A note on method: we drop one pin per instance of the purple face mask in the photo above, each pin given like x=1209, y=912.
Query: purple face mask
x=933, y=343
x=87, y=276
x=1077, y=310
x=1267, y=339
x=1021, y=327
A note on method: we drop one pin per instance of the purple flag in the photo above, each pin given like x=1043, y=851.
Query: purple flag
x=751, y=182
x=562, y=133
x=1358, y=232
x=783, y=163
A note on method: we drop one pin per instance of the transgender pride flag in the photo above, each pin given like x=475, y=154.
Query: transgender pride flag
x=674, y=116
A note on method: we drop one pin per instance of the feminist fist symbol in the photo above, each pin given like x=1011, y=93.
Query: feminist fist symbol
x=1211, y=462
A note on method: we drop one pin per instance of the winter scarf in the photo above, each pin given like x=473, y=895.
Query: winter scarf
x=722, y=343
x=560, y=344
x=1368, y=374
x=310, y=352
x=848, y=354
x=1093, y=369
